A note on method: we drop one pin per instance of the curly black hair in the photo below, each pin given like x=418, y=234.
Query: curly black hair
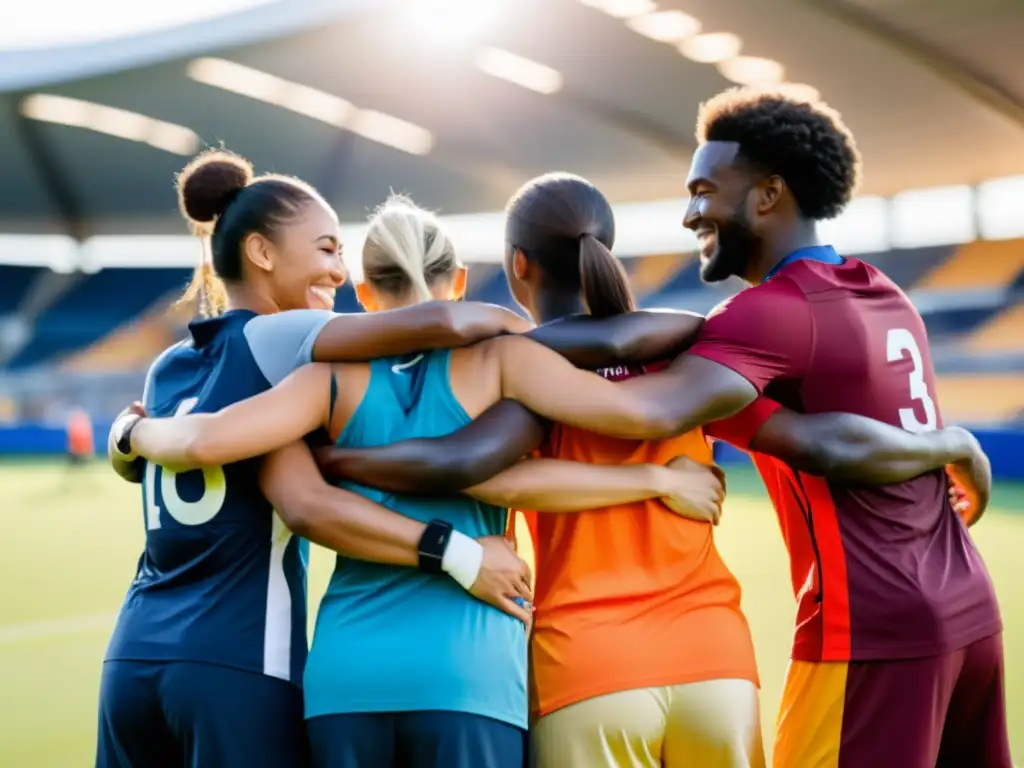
x=806, y=143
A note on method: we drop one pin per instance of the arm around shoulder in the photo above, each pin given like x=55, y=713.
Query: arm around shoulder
x=495, y=440
x=846, y=447
x=431, y=325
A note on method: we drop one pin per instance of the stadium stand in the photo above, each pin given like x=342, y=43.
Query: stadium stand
x=965, y=293
x=1003, y=333
x=978, y=265
x=906, y=265
x=94, y=306
x=652, y=272
x=14, y=284
x=989, y=399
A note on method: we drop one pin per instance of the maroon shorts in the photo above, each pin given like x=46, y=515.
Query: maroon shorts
x=939, y=712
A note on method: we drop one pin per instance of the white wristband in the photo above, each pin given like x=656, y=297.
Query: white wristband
x=462, y=559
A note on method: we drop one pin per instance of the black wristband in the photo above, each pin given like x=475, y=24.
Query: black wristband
x=123, y=441
x=433, y=544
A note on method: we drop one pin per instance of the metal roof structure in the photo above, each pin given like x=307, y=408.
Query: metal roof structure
x=933, y=90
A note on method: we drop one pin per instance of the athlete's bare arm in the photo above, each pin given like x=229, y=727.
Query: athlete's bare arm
x=507, y=431
x=492, y=442
x=432, y=325
x=690, y=392
x=586, y=341
x=855, y=449
x=355, y=526
x=343, y=521
x=687, y=487
x=635, y=337
x=243, y=430
x=483, y=460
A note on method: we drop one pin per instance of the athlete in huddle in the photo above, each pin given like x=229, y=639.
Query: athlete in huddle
x=641, y=655
x=405, y=668
x=211, y=640
x=897, y=658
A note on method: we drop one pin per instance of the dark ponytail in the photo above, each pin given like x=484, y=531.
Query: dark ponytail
x=565, y=225
x=224, y=201
x=603, y=280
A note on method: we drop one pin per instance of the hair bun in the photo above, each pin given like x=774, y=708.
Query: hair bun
x=210, y=182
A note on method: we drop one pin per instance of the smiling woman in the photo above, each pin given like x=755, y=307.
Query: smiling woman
x=244, y=217
x=270, y=269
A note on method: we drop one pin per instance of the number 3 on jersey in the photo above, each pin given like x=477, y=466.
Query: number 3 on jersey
x=899, y=344
x=203, y=510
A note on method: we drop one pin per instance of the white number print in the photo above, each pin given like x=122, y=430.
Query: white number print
x=899, y=344
x=196, y=512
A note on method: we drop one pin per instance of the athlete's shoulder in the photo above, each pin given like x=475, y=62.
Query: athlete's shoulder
x=852, y=275
x=170, y=355
x=284, y=341
x=167, y=360
x=760, y=302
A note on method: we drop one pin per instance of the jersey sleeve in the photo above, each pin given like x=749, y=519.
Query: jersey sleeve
x=763, y=333
x=739, y=429
x=284, y=341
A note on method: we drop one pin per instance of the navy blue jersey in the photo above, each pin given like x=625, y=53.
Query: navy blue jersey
x=221, y=580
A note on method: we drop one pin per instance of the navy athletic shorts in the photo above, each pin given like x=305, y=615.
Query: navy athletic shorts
x=432, y=739
x=179, y=713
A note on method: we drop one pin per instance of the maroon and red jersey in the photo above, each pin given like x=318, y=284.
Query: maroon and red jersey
x=879, y=572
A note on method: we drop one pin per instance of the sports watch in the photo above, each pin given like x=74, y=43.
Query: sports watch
x=433, y=544
x=123, y=437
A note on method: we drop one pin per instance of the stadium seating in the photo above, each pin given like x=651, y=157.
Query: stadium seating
x=93, y=307
x=979, y=265
x=970, y=295
x=652, y=272
x=14, y=285
x=1003, y=333
x=990, y=399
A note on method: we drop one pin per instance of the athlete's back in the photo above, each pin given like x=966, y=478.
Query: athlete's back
x=396, y=640
x=895, y=574
x=608, y=579
x=887, y=579
x=221, y=582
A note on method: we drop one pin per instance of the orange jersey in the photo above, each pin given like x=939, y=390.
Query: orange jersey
x=633, y=596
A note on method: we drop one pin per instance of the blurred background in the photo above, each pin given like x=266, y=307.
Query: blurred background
x=457, y=102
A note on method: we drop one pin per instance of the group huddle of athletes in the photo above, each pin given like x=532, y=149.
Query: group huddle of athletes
x=407, y=437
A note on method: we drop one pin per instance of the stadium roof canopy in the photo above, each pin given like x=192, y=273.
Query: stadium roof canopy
x=933, y=90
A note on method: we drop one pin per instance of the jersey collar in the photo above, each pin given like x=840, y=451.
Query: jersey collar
x=205, y=329
x=823, y=253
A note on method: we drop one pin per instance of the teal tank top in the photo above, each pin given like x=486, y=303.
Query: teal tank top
x=393, y=639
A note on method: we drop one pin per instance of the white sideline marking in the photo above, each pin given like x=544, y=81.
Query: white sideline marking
x=40, y=630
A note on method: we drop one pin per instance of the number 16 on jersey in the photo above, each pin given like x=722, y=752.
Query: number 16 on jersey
x=197, y=512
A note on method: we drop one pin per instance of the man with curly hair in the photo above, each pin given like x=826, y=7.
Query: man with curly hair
x=897, y=657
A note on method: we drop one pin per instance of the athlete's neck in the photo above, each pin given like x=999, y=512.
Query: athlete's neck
x=803, y=234
x=242, y=297
x=554, y=305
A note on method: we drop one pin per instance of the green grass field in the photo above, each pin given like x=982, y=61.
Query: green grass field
x=70, y=543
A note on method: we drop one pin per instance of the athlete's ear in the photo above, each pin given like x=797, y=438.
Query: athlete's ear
x=459, y=283
x=767, y=193
x=520, y=264
x=367, y=297
x=257, y=250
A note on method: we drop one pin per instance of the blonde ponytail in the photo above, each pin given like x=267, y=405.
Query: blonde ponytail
x=406, y=249
x=206, y=290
